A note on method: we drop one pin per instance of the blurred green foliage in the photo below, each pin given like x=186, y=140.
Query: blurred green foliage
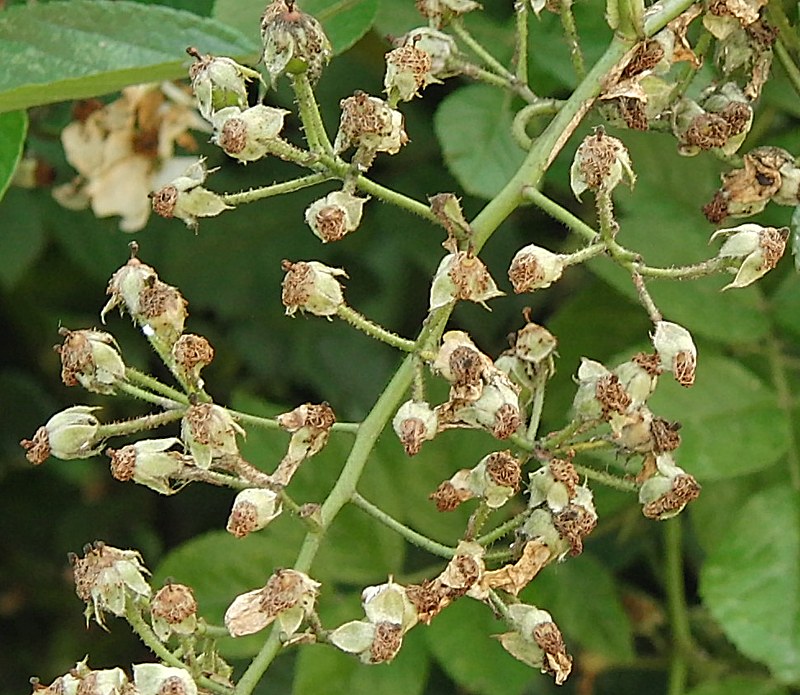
x=740, y=424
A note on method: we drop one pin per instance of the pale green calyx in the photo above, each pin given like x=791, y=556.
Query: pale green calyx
x=92, y=359
x=157, y=679
x=668, y=490
x=72, y=433
x=313, y=287
x=218, y=82
x=174, y=611
x=250, y=134
x=187, y=199
x=601, y=163
x=409, y=69
x=253, y=509
x=415, y=423
x=462, y=276
x=676, y=350
x=760, y=249
x=149, y=462
x=441, y=48
x=334, y=216
x=208, y=431
x=534, y=267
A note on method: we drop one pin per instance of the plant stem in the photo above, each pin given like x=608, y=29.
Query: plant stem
x=785, y=58
x=316, y=136
x=136, y=377
x=373, y=330
x=387, y=195
x=503, y=529
x=561, y=214
x=541, y=107
x=149, y=396
x=571, y=33
x=270, y=423
x=409, y=534
x=607, y=479
x=275, y=189
x=678, y=611
x=521, y=43
x=477, y=48
x=139, y=424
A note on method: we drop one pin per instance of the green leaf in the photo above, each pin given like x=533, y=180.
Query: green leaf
x=473, y=125
x=731, y=421
x=344, y=21
x=13, y=128
x=22, y=237
x=597, y=622
x=738, y=685
x=82, y=48
x=461, y=639
x=751, y=581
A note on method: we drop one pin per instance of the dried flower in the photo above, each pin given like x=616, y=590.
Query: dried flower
x=370, y=125
x=668, y=491
x=335, y=215
x=125, y=149
x=534, y=268
x=601, y=163
x=442, y=11
x=250, y=134
x=759, y=248
x=92, y=359
x=218, y=82
x=107, y=578
x=209, y=431
x=462, y=276
x=148, y=462
x=294, y=41
x=69, y=434
x=157, y=679
x=174, y=611
x=495, y=479
x=414, y=423
x=191, y=354
x=675, y=347
x=253, y=509
x=185, y=198
x=441, y=48
x=312, y=287
x=288, y=597
x=408, y=70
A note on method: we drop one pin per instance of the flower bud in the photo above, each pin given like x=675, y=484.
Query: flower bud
x=722, y=123
x=288, y=597
x=408, y=70
x=208, y=431
x=666, y=493
x=495, y=410
x=107, y=578
x=554, y=484
x=155, y=306
x=312, y=287
x=148, y=462
x=253, y=509
x=675, y=347
x=441, y=48
x=535, y=344
x=294, y=42
x=248, y=135
x=414, y=423
x=462, y=276
x=218, y=82
x=112, y=681
x=90, y=358
x=537, y=641
x=310, y=426
x=442, y=11
x=191, y=353
x=156, y=679
x=639, y=377
x=370, y=125
x=534, y=268
x=601, y=163
x=600, y=394
x=174, y=611
x=186, y=199
x=335, y=215
x=760, y=249
x=69, y=434
x=459, y=360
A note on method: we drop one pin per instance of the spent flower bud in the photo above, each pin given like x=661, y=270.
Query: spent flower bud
x=69, y=434
x=248, y=135
x=294, y=41
x=759, y=248
x=253, y=509
x=108, y=578
x=218, y=82
x=174, y=611
x=148, y=462
x=666, y=493
x=288, y=597
x=534, y=268
x=92, y=359
x=414, y=423
x=186, y=199
x=442, y=11
x=335, y=215
x=312, y=287
x=462, y=276
x=677, y=351
x=157, y=679
x=370, y=125
x=409, y=69
x=441, y=48
x=601, y=163
x=191, y=354
x=209, y=431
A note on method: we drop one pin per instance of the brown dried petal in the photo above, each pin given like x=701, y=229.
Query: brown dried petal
x=504, y=469
x=243, y=519
x=164, y=201
x=506, y=421
x=466, y=366
x=564, y=472
x=123, y=462
x=611, y=395
x=647, y=55
x=684, y=489
x=283, y=590
x=558, y=662
x=387, y=642
x=447, y=497
x=665, y=435
x=174, y=603
x=38, y=448
x=515, y=577
x=684, y=367
x=233, y=138
x=573, y=523
x=413, y=434
x=650, y=362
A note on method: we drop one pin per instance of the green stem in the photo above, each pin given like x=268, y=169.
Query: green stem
x=584, y=254
x=477, y=48
x=519, y=126
x=134, y=376
x=387, y=195
x=316, y=136
x=164, y=352
x=502, y=530
x=571, y=33
x=373, y=330
x=539, y=387
x=678, y=611
x=139, y=424
x=270, y=423
x=409, y=534
x=275, y=189
x=135, y=619
x=644, y=297
x=149, y=396
x=607, y=479
x=785, y=58
x=561, y=214
x=521, y=43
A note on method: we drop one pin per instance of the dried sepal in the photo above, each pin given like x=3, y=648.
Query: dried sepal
x=310, y=426
x=515, y=576
x=185, y=197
